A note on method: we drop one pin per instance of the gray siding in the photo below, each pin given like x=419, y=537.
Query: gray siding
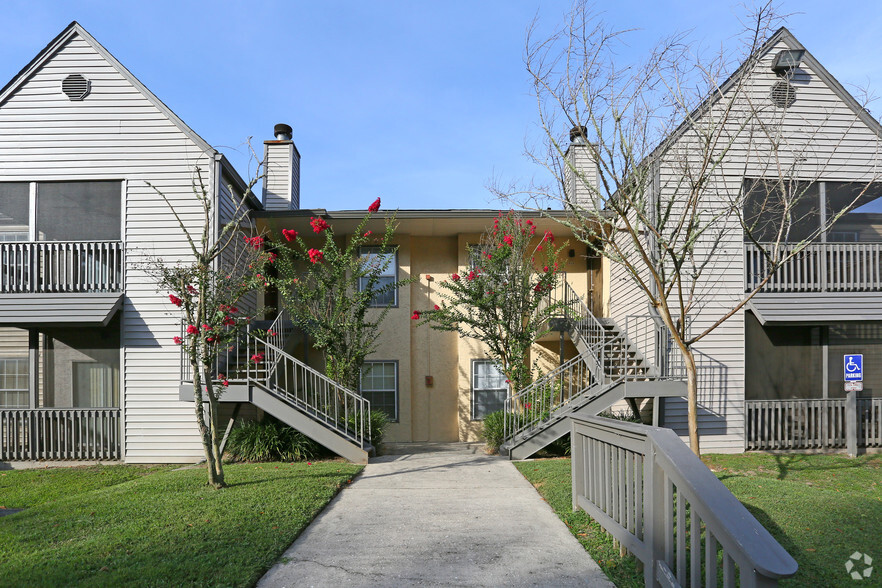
x=281, y=186
x=824, y=139
x=118, y=133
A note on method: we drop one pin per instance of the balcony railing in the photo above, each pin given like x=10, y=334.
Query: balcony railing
x=60, y=433
x=819, y=267
x=56, y=266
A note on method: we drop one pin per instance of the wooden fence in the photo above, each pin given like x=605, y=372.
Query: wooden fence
x=813, y=424
x=53, y=266
x=819, y=267
x=649, y=491
x=60, y=434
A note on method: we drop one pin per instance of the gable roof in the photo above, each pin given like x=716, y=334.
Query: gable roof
x=74, y=29
x=785, y=36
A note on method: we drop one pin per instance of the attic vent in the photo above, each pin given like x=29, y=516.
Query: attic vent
x=783, y=94
x=76, y=87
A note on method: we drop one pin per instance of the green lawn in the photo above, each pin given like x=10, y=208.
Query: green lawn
x=821, y=508
x=115, y=525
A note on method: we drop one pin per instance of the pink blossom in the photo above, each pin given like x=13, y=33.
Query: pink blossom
x=549, y=236
x=229, y=321
x=255, y=242
x=191, y=289
x=472, y=275
x=368, y=234
x=315, y=255
x=508, y=240
x=175, y=300
x=289, y=234
x=375, y=206
x=455, y=277
x=206, y=327
x=192, y=329
x=257, y=357
x=415, y=316
x=437, y=307
x=177, y=340
x=225, y=383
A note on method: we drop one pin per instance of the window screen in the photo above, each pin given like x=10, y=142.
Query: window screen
x=386, y=262
x=379, y=385
x=14, y=211
x=78, y=211
x=488, y=389
x=13, y=382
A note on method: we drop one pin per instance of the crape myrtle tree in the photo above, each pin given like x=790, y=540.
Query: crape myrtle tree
x=210, y=291
x=504, y=301
x=338, y=293
x=675, y=163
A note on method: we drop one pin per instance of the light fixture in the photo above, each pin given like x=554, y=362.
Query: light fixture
x=578, y=135
x=787, y=60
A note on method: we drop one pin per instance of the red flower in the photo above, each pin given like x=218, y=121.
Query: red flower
x=472, y=275
x=255, y=242
x=538, y=287
x=375, y=206
x=177, y=340
x=257, y=357
x=271, y=333
x=191, y=289
x=545, y=269
x=225, y=382
x=175, y=300
x=272, y=257
x=206, y=328
x=192, y=329
x=315, y=255
x=455, y=277
x=528, y=406
x=210, y=339
x=368, y=234
x=508, y=240
x=289, y=234
x=548, y=236
x=318, y=224
x=428, y=277
x=415, y=316
x=437, y=307
x=229, y=321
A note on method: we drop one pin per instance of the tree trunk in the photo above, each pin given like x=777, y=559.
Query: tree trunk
x=207, y=426
x=692, y=398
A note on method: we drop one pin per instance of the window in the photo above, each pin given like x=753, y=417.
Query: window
x=385, y=263
x=14, y=382
x=379, y=385
x=14, y=211
x=489, y=389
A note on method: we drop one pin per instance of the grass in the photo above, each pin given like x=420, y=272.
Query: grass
x=821, y=508
x=128, y=525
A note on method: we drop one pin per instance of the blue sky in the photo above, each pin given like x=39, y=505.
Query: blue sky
x=421, y=103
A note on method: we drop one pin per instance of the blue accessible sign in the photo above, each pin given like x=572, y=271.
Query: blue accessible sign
x=854, y=368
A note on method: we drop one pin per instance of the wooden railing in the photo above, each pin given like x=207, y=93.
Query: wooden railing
x=812, y=424
x=646, y=488
x=60, y=433
x=819, y=267
x=55, y=266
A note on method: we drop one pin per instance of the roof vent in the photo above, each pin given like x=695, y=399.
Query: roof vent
x=783, y=94
x=282, y=132
x=76, y=87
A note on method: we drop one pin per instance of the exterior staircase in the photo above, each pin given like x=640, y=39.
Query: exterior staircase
x=609, y=368
x=260, y=372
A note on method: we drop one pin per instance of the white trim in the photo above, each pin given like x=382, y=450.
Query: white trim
x=32, y=211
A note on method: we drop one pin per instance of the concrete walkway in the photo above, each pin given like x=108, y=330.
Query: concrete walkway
x=454, y=517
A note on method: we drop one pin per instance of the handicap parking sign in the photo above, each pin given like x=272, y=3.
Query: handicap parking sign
x=854, y=368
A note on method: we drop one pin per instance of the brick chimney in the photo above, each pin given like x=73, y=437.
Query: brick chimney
x=281, y=185
x=579, y=156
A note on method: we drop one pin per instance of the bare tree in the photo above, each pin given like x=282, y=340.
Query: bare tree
x=211, y=291
x=671, y=165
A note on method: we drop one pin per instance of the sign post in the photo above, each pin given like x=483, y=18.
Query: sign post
x=853, y=365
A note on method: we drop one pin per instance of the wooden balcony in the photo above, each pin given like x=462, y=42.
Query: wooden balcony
x=819, y=267
x=53, y=267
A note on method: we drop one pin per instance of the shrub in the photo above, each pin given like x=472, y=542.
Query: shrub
x=270, y=440
x=494, y=430
x=379, y=423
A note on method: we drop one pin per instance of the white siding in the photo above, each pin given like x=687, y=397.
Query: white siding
x=282, y=182
x=118, y=133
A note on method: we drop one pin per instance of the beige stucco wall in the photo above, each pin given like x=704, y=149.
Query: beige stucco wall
x=440, y=411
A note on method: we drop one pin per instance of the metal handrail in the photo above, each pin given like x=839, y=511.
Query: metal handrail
x=309, y=390
x=638, y=482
